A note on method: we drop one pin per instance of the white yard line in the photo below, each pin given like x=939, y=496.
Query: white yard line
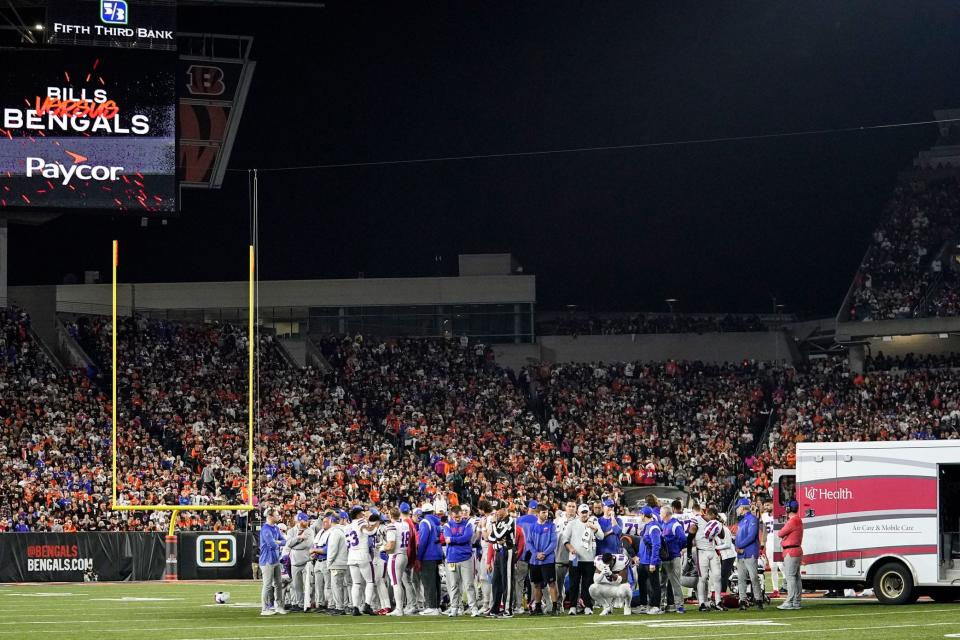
x=295, y=627
x=106, y=608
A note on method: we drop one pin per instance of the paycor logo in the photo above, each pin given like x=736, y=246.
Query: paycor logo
x=64, y=174
x=816, y=493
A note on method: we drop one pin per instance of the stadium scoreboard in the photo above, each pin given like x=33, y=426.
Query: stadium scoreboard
x=88, y=122
x=87, y=129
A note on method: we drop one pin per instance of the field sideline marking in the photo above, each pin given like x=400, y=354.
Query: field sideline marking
x=766, y=633
x=523, y=629
x=292, y=627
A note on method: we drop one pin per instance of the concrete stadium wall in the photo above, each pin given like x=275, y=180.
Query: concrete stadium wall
x=516, y=356
x=921, y=344
x=847, y=331
x=40, y=303
x=707, y=347
x=95, y=298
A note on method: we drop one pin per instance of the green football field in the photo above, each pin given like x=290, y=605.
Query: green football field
x=186, y=611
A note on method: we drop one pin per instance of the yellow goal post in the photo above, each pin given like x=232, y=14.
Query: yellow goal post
x=251, y=345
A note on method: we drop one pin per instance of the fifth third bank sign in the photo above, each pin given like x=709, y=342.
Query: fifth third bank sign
x=133, y=24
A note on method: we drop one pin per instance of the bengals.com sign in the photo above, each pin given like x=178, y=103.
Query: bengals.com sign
x=66, y=557
x=56, y=557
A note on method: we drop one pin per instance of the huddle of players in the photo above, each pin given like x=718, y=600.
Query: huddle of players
x=348, y=563
x=357, y=556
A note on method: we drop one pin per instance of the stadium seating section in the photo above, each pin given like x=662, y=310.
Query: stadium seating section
x=909, y=269
x=411, y=419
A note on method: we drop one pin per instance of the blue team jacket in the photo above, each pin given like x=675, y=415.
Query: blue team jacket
x=674, y=537
x=542, y=539
x=650, y=546
x=525, y=522
x=270, y=542
x=458, y=538
x=428, y=539
x=747, y=539
x=611, y=541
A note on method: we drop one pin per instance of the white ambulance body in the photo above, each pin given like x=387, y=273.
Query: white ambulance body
x=880, y=514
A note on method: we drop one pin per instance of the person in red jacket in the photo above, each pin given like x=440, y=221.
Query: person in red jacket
x=791, y=540
x=413, y=567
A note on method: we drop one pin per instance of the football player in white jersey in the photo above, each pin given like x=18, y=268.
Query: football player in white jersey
x=380, y=580
x=610, y=582
x=360, y=561
x=709, y=530
x=397, y=547
x=776, y=568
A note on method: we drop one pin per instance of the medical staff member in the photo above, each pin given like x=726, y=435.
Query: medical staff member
x=791, y=541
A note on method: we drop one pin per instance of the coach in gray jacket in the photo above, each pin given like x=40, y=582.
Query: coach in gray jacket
x=337, y=563
x=321, y=571
x=580, y=538
x=299, y=541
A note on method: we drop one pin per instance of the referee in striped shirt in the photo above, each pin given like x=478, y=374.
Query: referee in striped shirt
x=503, y=543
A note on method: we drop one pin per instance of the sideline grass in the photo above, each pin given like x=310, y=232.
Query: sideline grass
x=186, y=611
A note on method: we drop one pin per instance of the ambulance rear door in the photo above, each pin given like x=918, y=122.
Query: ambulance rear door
x=816, y=488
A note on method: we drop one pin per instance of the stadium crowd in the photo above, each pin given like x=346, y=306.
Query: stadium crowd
x=904, y=257
x=825, y=402
x=412, y=420
x=946, y=301
x=688, y=425
x=53, y=440
x=401, y=419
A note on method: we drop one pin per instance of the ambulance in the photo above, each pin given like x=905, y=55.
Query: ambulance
x=884, y=515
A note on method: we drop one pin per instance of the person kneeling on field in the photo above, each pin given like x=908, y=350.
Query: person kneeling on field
x=610, y=582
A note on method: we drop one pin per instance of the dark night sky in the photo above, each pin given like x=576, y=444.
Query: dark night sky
x=720, y=226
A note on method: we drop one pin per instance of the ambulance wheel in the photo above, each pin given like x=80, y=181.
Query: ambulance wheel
x=893, y=584
x=946, y=594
